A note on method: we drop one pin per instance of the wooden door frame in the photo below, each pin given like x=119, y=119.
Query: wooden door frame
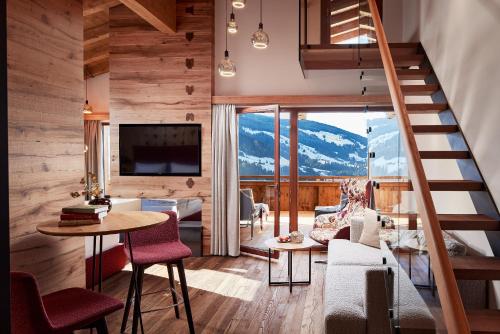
x=4, y=180
x=275, y=108
x=294, y=172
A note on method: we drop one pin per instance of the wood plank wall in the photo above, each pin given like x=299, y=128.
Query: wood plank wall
x=148, y=79
x=45, y=82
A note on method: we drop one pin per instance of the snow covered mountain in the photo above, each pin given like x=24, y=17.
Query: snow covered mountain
x=384, y=140
x=323, y=149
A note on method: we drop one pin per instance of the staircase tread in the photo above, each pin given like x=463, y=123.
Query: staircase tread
x=425, y=108
x=468, y=222
x=419, y=90
x=474, y=217
x=455, y=185
x=476, y=267
x=435, y=128
x=484, y=321
x=445, y=154
x=413, y=74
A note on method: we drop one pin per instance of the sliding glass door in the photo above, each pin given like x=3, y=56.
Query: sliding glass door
x=264, y=159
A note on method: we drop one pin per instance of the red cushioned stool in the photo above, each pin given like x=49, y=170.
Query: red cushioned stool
x=156, y=245
x=59, y=312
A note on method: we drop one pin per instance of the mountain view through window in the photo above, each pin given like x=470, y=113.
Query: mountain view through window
x=324, y=149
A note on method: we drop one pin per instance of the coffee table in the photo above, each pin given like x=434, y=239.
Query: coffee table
x=273, y=244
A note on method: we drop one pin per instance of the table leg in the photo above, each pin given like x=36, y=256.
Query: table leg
x=92, y=280
x=269, y=271
x=93, y=264
x=137, y=304
x=429, y=269
x=290, y=270
x=100, y=263
x=310, y=256
x=289, y=282
x=409, y=273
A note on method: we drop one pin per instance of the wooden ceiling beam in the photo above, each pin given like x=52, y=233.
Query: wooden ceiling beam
x=305, y=100
x=350, y=25
x=351, y=34
x=95, y=34
x=344, y=5
x=161, y=14
x=96, y=52
x=96, y=68
x=94, y=6
x=349, y=15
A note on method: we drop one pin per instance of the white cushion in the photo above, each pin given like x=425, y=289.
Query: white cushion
x=371, y=228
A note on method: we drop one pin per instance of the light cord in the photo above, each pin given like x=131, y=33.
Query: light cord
x=261, y=11
x=225, y=27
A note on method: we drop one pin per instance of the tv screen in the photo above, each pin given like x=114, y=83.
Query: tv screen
x=160, y=149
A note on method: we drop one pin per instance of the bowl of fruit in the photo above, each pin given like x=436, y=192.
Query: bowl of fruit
x=283, y=238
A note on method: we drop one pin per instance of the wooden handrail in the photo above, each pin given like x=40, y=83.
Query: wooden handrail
x=453, y=311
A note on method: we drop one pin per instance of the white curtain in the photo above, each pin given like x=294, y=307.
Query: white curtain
x=225, y=239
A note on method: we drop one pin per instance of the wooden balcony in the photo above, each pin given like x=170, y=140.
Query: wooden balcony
x=321, y=190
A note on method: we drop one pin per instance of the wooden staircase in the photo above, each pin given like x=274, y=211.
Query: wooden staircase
x=446, y=269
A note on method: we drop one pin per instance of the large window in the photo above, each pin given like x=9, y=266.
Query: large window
x=329, y=144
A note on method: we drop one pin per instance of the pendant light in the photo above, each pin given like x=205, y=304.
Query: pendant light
x=260, y=39
x=226, y=66
x=232, y=26
x=87, y=108
x=239, y=4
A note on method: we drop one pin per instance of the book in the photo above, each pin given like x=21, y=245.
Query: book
x=82, y=208
x=77, y=216
x=79, y=222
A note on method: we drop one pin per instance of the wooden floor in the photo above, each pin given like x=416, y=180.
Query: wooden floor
x=231, y=295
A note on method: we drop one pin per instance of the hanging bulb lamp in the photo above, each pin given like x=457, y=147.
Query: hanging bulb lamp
x=87, y=108
x=239, y=4
x=260, y=39
x=226, y=67
x=232, y=26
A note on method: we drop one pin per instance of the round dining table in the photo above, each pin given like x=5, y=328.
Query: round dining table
x=114, y=223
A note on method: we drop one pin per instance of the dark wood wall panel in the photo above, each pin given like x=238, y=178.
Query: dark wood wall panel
x=148, y=79
x=45, y=82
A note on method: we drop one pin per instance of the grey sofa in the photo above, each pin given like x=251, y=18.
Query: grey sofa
x=360, y=289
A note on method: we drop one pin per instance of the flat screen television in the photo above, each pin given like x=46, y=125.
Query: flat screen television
x=160, y=149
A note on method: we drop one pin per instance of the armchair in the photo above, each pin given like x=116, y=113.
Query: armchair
x=337, y=225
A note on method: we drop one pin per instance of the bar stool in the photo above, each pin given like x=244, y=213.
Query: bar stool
x=157, y=245
x=59, y=312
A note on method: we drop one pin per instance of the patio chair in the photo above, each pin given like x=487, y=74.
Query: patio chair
x=250, y=211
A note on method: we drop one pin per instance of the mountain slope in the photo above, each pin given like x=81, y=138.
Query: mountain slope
x=323, y=149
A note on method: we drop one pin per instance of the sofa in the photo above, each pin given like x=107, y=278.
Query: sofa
x=363, y=284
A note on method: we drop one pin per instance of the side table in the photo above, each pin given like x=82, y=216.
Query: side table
x=273, y=244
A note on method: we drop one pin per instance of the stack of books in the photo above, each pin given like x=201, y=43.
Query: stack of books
x=83, y=215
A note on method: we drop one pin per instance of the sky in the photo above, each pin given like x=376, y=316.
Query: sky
x=353, y=122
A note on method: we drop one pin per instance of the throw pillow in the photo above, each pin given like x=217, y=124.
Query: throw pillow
x=371, y=228
x=356, y=229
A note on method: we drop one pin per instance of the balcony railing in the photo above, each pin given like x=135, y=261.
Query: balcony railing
x=322, y=190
